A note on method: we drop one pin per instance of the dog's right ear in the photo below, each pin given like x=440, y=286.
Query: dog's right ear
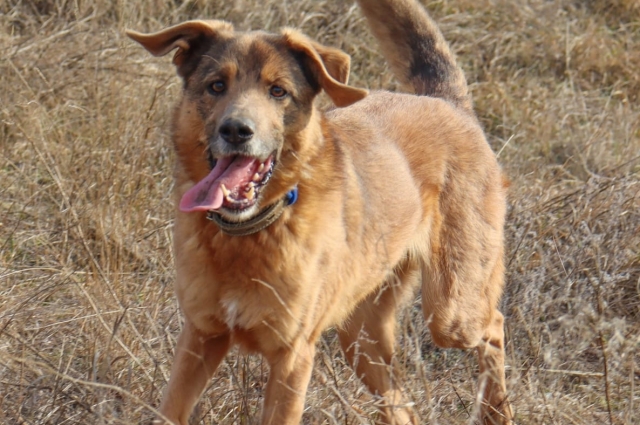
x=186, y=37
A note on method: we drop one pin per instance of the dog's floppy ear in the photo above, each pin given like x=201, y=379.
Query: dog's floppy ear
x=329, y=66
x=186, y=37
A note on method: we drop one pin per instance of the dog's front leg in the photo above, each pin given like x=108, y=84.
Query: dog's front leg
x=197, y=357
x=288, y=380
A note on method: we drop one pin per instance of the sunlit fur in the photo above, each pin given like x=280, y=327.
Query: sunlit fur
x=395, y=190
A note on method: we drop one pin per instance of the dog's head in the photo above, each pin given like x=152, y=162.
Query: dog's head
x=248, y=98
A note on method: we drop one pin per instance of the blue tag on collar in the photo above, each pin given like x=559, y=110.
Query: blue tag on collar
x=292, y=196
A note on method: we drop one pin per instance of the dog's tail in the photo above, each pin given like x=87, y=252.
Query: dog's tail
x=416, y=50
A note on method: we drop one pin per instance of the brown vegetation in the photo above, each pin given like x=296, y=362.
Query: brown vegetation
x=88, y=320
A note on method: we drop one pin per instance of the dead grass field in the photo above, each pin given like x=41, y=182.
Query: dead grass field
x=88, y=320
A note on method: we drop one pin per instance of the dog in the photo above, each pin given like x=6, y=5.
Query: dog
x=291, y=220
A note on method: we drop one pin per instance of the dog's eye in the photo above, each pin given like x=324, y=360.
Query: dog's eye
x=217, y=87
x=277, y=92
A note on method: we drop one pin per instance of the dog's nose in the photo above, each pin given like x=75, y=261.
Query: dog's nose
x=237, y=130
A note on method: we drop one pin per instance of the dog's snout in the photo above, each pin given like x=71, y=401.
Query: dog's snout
x=237, y=130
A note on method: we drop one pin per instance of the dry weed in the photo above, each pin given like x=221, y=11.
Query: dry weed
x=87, y=317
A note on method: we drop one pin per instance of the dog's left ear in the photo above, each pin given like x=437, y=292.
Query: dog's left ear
x=329, y=66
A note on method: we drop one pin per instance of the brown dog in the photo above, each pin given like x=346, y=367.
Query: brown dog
x=392, y=189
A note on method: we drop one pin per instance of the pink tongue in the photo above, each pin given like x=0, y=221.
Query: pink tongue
x=207, y=195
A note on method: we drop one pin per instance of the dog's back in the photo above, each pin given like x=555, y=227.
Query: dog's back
x=416, y=50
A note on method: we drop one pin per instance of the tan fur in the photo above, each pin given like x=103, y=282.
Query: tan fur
x=394, y=190
x=416, y=50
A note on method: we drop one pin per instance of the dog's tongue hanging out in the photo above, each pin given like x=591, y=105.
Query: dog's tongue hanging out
x=232, y=172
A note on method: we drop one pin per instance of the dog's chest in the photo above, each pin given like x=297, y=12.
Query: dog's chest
x=230, y=312
x=212, y=304
x=241, y=300
x=243, y=309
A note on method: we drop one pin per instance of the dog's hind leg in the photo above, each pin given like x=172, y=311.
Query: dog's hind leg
x=495, y=406
x=368, y=340
x=196, y=358
x=469, y=321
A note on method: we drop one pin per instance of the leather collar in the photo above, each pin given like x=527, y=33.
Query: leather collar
x=258, y=222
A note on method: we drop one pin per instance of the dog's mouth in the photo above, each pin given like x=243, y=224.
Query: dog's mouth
x=234, y=183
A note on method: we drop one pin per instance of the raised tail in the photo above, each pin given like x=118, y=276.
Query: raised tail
x=416, y=50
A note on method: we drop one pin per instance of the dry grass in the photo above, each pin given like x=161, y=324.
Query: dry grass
x=87, y=317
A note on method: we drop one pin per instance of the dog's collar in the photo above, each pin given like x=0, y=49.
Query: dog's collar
x=260, y=221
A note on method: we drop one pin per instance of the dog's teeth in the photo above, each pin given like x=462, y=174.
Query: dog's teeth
x=251, y=193
x=225, y=192
x=250, y=186
x=256, y=177
x=261, y=168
